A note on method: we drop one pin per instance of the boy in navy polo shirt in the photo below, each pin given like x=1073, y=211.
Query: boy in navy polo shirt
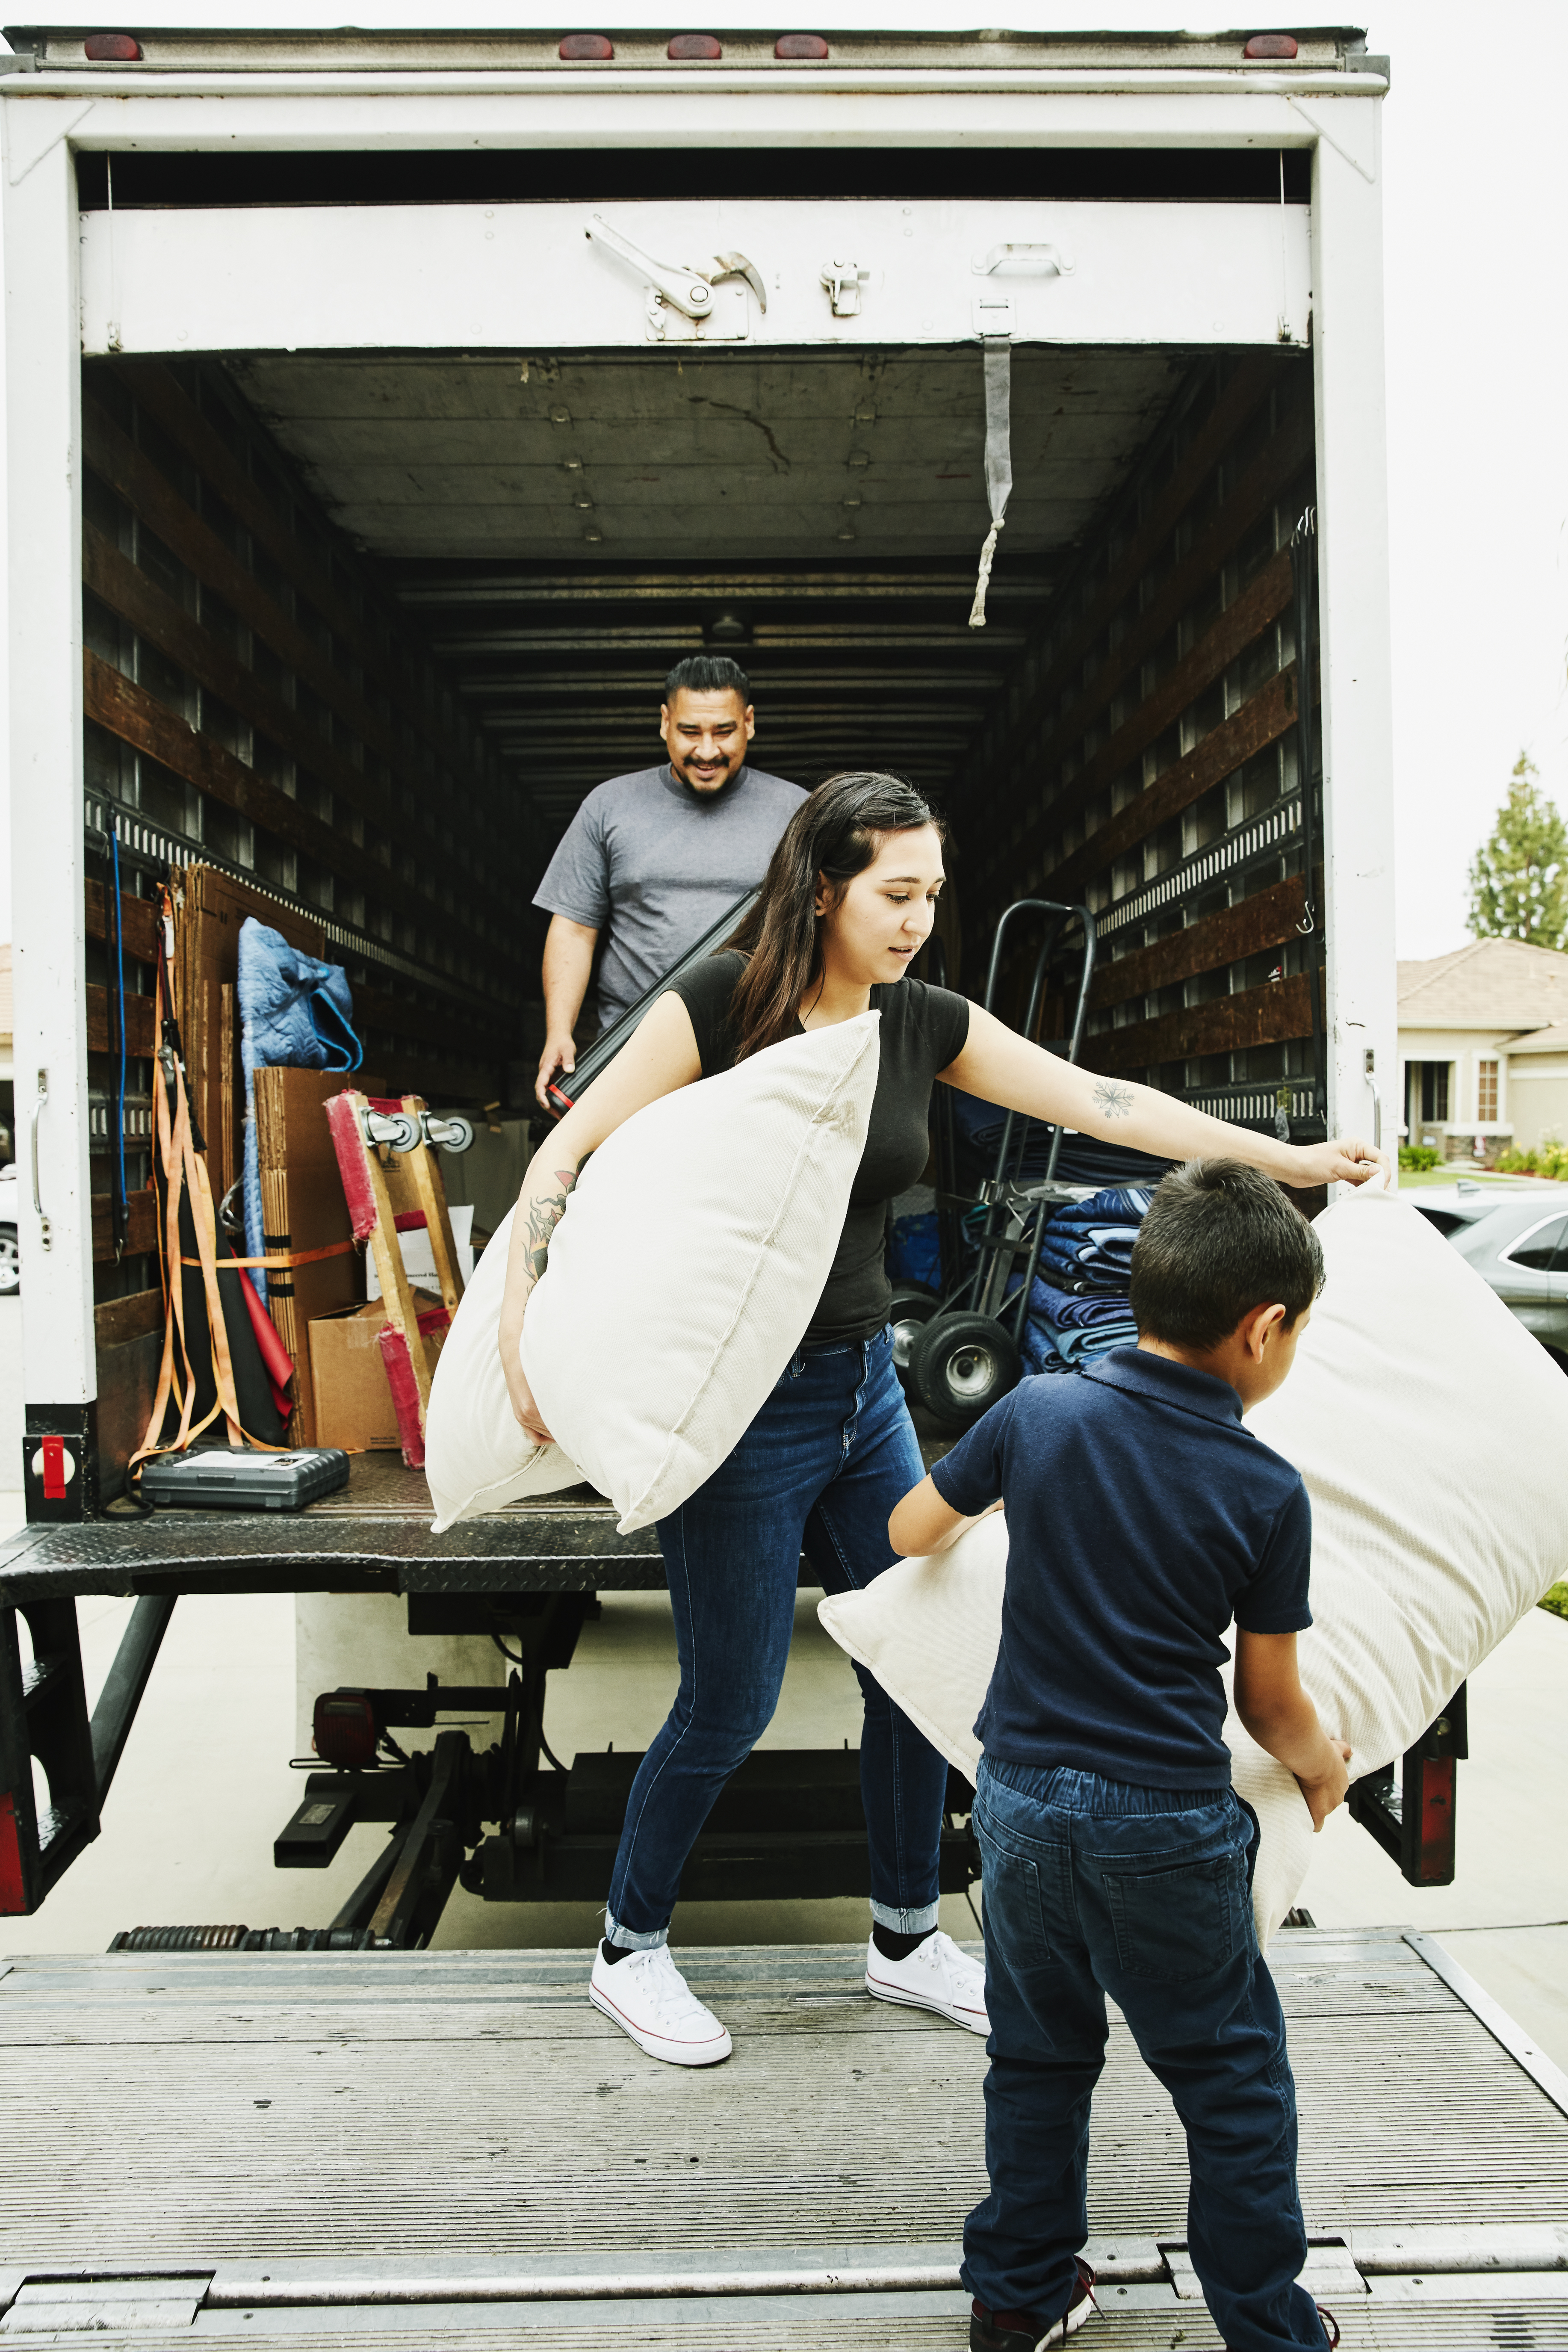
x=1143, y=1521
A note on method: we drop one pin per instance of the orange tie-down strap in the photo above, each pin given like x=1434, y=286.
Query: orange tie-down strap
x=280, y=1260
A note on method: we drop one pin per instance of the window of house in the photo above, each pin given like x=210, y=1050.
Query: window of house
x=1434, y=1089
x=1486, y=1090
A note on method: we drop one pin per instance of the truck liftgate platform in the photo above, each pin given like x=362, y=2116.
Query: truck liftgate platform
x=453, y=2147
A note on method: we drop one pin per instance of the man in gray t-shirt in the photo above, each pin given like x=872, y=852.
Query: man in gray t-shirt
x=656, y=858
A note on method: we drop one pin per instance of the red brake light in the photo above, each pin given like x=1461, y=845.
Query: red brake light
x=586, y=47
x=1270, y=45
x=114, y=48
x=800, y=45
x=346, y=1729
x=694, y=45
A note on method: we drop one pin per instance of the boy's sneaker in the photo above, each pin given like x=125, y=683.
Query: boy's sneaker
x=646, y=1996
x=1020, y=2331
x=937, y=1976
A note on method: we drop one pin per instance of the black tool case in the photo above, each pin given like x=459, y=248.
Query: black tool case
x=231, y=1479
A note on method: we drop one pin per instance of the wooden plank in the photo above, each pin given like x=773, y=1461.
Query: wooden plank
x=1286, y=453
x=152, y=386
x=1259, y=604
x=1267, y=920
x=1238, y=402
x=396, y=1291
x=128, y=591
x=138, y=922
x=127, y=469
x=1226, y=748
x=140, y=1023
x=431, y=1194
x=227, y=1146
x=142, y=1230
x=1269, y=1015
x=138, y=718
x=119, y=1320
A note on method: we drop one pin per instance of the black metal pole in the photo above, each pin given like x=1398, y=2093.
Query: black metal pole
x=122, y=1694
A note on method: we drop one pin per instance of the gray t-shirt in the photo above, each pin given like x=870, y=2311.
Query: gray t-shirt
x=657, y=865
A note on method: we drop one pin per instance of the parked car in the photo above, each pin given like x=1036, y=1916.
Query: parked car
x=10, y=1263
x=1517, y=1241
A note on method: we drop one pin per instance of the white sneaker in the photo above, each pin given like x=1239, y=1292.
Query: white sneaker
x=937, y=1976
x=646, y=1996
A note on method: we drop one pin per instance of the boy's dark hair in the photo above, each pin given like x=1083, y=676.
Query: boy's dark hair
x=1220, y=1238
x=707, y=674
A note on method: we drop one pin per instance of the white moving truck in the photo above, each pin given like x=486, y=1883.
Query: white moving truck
x=384, y=413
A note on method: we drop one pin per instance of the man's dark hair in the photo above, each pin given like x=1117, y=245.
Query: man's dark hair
x=1220, y=1238
x=707, y=674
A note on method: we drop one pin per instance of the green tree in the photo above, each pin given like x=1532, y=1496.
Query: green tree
x=1519, y=879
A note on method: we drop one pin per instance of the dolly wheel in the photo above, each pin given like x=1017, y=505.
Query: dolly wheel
x=911, y=1310
x=962, y=1366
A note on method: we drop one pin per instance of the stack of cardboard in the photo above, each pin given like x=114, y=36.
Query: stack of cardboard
x=303, y=1213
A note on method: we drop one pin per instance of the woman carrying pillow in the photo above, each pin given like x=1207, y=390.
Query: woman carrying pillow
x=848, y=899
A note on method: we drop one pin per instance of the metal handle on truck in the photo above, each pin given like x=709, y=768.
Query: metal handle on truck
x=1371, y=1059
x=44, y=1237
x=1033, y=260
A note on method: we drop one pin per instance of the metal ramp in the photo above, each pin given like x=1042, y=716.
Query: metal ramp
x=395, y=2149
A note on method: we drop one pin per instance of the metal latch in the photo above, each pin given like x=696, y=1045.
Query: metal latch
x=681, y=294
x=844, y=281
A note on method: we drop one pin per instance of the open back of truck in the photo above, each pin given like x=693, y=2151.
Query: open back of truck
x=384, y=417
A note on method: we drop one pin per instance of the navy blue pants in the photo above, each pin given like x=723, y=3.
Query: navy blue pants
x=1094, y=1887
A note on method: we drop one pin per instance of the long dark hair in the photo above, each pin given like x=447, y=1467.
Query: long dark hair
x=834, y=835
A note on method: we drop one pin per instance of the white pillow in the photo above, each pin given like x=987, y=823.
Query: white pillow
x=681, y=1280
x=478, y=1457
x=1430, y=1428
x=690, y=1262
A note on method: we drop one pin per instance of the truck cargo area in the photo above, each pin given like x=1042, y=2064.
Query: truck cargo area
x=362, y=629
x=451, y=2148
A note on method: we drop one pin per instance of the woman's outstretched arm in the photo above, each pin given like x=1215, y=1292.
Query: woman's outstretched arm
x=660, y=1056
x=1002, y=1067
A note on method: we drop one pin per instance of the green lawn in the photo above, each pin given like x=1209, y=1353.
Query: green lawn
x=1409, y=1178
x=1557, y=1601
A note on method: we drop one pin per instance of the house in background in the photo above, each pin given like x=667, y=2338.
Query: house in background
x=1483, y=1048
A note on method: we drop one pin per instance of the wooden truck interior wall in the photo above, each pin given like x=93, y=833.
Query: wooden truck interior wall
x=382, y=747
x=255, y=704
x=1143, y=761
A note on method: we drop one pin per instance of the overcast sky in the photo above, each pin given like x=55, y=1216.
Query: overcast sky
x=1476, y=171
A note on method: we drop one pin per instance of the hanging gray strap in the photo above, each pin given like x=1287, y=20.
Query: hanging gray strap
x=998, y=459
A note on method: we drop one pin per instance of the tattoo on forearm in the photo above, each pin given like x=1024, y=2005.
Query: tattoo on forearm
x=543, y=1216
x=1114, y=1101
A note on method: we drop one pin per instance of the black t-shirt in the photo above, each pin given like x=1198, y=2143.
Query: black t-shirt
x=923, y=1030
x=1142, y=1519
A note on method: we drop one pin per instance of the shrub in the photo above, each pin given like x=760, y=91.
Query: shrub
x=1557, y=1601
x=1547, y=1159
x=1419, y=1157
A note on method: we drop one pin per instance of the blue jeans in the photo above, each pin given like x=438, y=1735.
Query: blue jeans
x=820, y=1468
x=1093, y=1887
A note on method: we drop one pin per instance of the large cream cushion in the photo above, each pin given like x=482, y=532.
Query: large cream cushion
x=681, y=1280
x=1430, y=1428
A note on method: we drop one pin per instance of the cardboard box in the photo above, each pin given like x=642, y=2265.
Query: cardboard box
x=352, y=1395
